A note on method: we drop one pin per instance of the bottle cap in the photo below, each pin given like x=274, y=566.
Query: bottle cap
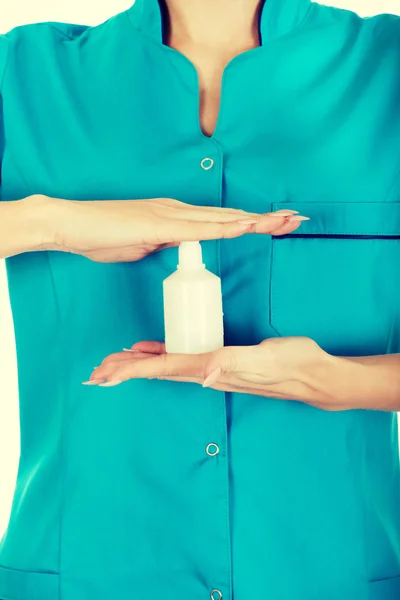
x=190, y=256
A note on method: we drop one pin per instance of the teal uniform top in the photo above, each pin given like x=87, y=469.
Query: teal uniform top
x=119, y=494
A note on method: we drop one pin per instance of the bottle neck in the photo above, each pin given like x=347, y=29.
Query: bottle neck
x=183, y=267
x=190, y=256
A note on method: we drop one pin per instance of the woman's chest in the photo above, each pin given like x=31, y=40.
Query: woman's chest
x=283, y=133
x=284, y=138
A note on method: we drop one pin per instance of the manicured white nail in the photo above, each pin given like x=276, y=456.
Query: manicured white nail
x=110, y=383
x=92, y=382
x=129, y=350
x=283, y=213
x=299, y=218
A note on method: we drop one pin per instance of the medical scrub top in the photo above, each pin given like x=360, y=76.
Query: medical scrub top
x=165, y=490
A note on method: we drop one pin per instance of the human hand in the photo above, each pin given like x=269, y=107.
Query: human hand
x=128, y=230
x=292, y=368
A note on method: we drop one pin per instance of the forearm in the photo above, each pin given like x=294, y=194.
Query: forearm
x=370, y=382
x=378, y=381
x=27, y=225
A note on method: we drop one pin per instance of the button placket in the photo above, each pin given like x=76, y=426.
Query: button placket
x=211, y=162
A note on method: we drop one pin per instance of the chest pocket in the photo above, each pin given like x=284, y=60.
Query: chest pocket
x=337, y=278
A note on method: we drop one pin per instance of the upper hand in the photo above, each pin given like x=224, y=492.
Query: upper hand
x=293, y=368
x=128, y=230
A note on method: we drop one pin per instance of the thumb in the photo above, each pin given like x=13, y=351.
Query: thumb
x=227, y=360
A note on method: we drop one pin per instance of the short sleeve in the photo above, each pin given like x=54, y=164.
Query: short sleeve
x=4, y=51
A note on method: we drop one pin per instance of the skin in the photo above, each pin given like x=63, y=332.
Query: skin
x=291, y=368
x=210, y=34
x=125, y=230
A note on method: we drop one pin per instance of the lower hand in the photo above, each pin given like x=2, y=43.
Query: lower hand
x=293, y=368
x=128, y=230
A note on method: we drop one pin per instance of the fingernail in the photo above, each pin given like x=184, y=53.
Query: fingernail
x=299, y=219
x=282, y=214
x=129, y=350
x=248, y=222
x=213, y=377
x=110, y=383
x=92, y=382
x=287, y=210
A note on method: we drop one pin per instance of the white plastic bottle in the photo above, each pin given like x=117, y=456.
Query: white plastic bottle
x=192, y=305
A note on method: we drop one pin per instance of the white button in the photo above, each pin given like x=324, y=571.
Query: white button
x=216, y=595
x=207, y=163
x=212, y=449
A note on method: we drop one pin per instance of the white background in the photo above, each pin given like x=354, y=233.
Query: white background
x=19, y=12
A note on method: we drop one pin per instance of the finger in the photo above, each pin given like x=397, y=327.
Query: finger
x=290, y=224
x=148, y=346
x=181, y=379
x=231, y=359
x=220, y=386
x=123, y=356
x=190, y=231
x=194, y=231
x=153, y=366
x=271, y=223
x=112, y=359
x=186, y=212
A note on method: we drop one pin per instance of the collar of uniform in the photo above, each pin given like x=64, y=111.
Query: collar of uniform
x=278, y=17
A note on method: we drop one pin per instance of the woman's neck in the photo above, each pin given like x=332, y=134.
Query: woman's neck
x=214, y=23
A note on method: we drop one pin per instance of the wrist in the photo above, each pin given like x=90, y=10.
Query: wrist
x=43, y=217
x=330, y=381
